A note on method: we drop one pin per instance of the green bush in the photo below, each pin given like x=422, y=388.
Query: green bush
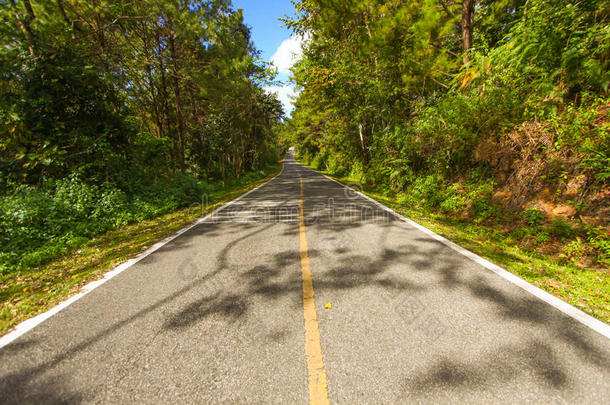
x=356, y=171
x=319, y=161
x=38, y=223
x=543, y=237
x=573, y=250
x=481, y=205
x=334, y=167
x=600, y=240
x=561, y=229
x=533, y=216
x=428, y=190
x=454, y=201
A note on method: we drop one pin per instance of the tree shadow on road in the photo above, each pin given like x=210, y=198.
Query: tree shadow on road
x=279, y=277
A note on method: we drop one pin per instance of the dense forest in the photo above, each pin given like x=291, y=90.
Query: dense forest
x=495, y=111
x=117, y=111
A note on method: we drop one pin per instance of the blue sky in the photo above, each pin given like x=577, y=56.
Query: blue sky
x=273, y=39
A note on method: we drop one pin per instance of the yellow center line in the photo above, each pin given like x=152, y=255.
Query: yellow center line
x=313, y=349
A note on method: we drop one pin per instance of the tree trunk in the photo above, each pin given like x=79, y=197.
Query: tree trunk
x=25, y=24
x=365, y=156
x=155, y=105
x=466, y=23
x=163, y=95
x=179, y=117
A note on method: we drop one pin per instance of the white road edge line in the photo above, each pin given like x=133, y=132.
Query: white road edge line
x=584, y=318
x=29, y=324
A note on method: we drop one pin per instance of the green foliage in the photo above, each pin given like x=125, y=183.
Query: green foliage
x=113, y=89
x=334, y=167
x=561, y=229
x=533, y=216
x=599, y=239
x=599, y=161
x=389, y=88
x=560, y=47
x=428, y=190
x=39, y=223
x=65, y=118
x=114, y=112
x=543, y=237
x=319, y=161
x=481, y=207
x=573, y=251
x=384, y=85
x=455, y=201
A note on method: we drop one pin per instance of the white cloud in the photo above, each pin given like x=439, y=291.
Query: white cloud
x=288, y=53
x=285, y=94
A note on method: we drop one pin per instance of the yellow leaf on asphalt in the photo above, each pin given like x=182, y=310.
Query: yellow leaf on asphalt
x=328, y=305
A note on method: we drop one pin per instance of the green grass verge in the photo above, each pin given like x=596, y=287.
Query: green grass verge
x=584, y=288
x=29, y=292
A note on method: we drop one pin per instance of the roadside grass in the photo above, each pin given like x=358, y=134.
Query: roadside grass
x=29, y=292
x=583, y=287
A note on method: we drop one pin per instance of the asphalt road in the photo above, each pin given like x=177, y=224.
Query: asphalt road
x=217, y=316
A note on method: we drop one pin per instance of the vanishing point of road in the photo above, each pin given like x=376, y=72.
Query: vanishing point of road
x=304, y=291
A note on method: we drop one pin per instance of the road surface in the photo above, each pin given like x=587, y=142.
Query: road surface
x=235, y=311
